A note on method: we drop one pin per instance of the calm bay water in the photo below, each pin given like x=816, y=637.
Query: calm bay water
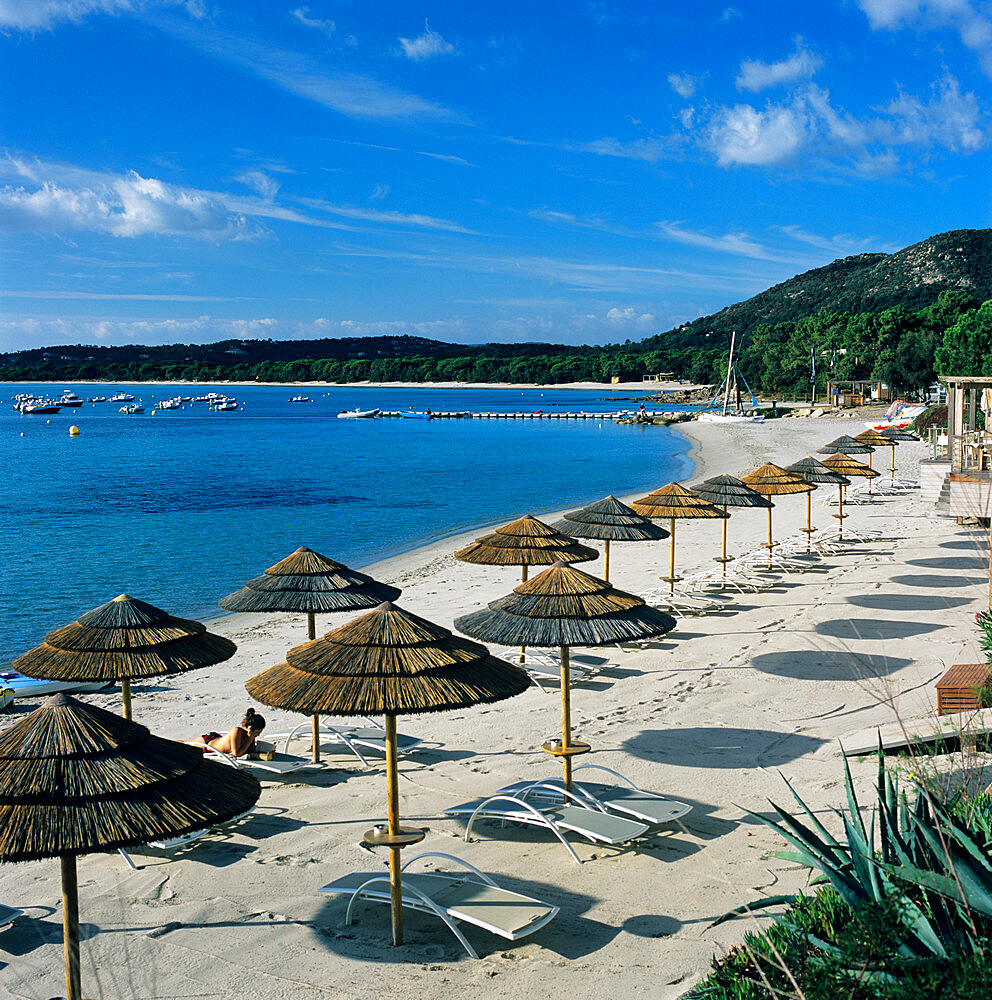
x=181, y=507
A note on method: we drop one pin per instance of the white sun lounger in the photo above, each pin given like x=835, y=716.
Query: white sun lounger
x=540, y=664
x=624, y=798
x=595, y=824
x=172, y=843
x=371, y=737
x=471, y=897
x=7, y=915
x=282, y=763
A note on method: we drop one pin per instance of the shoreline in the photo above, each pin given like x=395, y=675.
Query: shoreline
x=712, y=716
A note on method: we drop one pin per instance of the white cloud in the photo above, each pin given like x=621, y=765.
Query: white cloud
x=630, y=319
x=259, y=182
x=972, y=24
x=755, y=75
x=648, y=150
x=738, y=244
x=303, y=16
x=744, y=135
x=39, y=15
x=379, y=192
x=683, y=84
x=429, y=45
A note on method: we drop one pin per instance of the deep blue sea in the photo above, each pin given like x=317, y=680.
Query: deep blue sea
x=182, y=507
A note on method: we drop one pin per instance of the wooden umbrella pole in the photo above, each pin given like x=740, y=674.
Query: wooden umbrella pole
x=126, y=696
x=840, y=512
x=314, y=719
x=606, y=561
x=892, y=469
x=809, y=520
x=870, y=477
x=523, y=649
x=566, y=717
x=771, y=544
x=671, y=562
x=70, y=927
x=724, y=560
x=393, y=818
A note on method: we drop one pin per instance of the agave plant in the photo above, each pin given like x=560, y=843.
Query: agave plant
x=984, y=619
x=928, y=870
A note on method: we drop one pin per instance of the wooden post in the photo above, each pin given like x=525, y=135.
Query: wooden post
x=606, y=561
x=126, y=697
x=892, y=469
x=70, y=927
x=393, y=818
x=566, y=717
x=771, y=544
x=671, y=561
x=870, y=477
x=523, y=649
x=314, y=719
x=840, y=512
x=723, y=560
x=809, y=520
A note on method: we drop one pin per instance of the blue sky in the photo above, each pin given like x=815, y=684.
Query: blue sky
x=575, y=172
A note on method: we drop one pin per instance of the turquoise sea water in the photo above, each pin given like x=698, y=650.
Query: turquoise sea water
x=181, y=507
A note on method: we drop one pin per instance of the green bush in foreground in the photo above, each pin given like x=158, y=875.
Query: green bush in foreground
x=908, y=918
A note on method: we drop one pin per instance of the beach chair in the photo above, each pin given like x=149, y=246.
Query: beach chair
x=542, y=664
x=574, y=815
x=624, y=798
x=470, y=897
x=280, y=764
x=681, y=602
x=8, y=914
x=174, y=843
x=370, y=737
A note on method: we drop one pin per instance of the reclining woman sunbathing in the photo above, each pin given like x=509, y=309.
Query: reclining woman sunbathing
x=241, y=740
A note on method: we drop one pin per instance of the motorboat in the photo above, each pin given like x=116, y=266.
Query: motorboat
x=224, y=404
x=299, y=399
x=69, y=399
x=415, y=415
x=132, y=408
x=170, y=404
x=40, y=406
x=357, y=414
x=122, y=397
x=97, y=399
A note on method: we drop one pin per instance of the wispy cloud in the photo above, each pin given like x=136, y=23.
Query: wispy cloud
x=401, y=219
x=429, y=45
x=756, y=75
x=259, y=182
x=602, y=13
x=40, y=15
x=738, y=244
x=970, y=21
x=356, y=95
x=123, y=296
x=303, y=16
x=444, y=157
x=684, y=84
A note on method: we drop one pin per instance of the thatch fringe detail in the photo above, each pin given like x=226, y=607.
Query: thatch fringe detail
x=675, y=501
x=610, y=520
x=388, y=660
x=849, y=467
x=814, y=471
x=898, y=434
x=845, y=445
x=726, y=491
x=565, y=607
x=873, y=439
x=124, y=638
x=307, y=582
x=75, y=779
x=771, y=480
x=525, y=542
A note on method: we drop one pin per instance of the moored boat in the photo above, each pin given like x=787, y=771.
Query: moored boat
x=132, y=408
x=357, y=414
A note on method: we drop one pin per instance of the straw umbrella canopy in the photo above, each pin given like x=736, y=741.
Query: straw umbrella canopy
x=874, y=439
x=849, y=468
x=565, y=607
x=612, y=521
x=820, y=475
x=726, y=491
x=771, y=480
x=899, y=434
x=122, y=640
x=525, y=542
x=845, y=445
x=308, y=582
x=387, y=662
x=75, y=779
x=671, y=502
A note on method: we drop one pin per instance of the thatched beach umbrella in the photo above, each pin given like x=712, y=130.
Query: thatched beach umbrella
x=612, y=521
x=525, y=542
x=874, y=439
x=726, y=491
x=671, y=502
x=901, y=435
x=845, y=445
x=820, y=475
x=565, y=607
x=75, y=779
x=771, y=480
x=308, y=582
x=122, y=640
x=848, y=467
x=387, y=662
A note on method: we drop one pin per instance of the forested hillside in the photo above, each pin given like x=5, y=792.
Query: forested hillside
x=901, y=317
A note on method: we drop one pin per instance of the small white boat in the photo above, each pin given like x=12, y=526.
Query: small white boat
x=224, y=404
x=132, y=408
x=41, y=406
x=299, y=399
x=122, y=397
x=357, y=414
x=69, y=399
x=23, y=686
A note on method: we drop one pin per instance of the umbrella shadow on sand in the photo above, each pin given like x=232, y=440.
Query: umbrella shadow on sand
x=828, y=665
x=902, y=601
x=930, y=581
x=950, y=562
x=724, y=747
x=874, y=630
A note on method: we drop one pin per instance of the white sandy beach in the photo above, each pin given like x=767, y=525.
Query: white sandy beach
x=710, y=716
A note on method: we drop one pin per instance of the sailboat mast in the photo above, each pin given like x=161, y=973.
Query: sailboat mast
x=730, y=368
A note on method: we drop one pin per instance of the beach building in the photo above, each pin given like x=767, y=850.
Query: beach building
x=958, y=473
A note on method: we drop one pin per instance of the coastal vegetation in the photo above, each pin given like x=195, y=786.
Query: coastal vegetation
x=901, y=318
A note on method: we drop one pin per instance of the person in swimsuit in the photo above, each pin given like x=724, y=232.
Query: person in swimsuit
x=240, y=741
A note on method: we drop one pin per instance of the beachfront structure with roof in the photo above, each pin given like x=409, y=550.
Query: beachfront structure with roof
x=959, y=471
x=858, y=392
